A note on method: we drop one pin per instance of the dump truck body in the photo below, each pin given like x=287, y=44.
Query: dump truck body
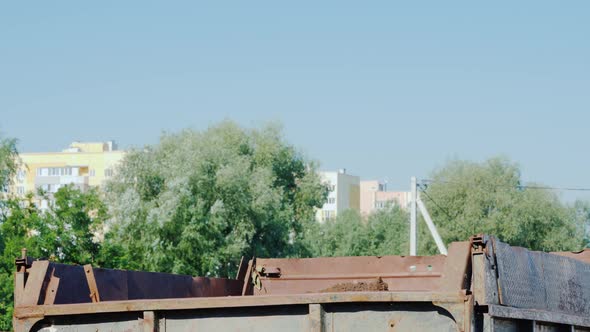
x=482, y=285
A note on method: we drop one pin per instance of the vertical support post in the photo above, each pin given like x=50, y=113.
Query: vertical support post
x=439, y=242
x=413, y=215
x=34, y=283
x=316, y=317
x=248, y=289
x=89, y=272
x=52, y=287
x=19, y=277
x=148, y=322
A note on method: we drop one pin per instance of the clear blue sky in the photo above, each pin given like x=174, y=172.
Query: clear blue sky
x=387, y=90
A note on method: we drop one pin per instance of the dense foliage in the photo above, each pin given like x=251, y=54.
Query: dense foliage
x=466, y=198
x=198, y=201
x=67, y=233
x=384, y=232
x=8, y=162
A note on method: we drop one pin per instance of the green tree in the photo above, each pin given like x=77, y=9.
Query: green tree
x=8, y=162
x=8, y=167
x=384, y=232
x=67, y=233
x=582, y=215
x=467, y=198
x=389, y=231
x=197, y=201
x=347, y=235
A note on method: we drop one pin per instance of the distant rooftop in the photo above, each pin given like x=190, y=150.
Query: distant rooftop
x=92, y=147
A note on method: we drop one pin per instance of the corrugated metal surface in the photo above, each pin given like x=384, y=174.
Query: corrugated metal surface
x=537, y=280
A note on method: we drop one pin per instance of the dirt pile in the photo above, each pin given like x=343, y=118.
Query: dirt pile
x=357, y=286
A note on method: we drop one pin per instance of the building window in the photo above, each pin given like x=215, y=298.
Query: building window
x=331, y=200
x=383, y=204
x=54, y=171
x=92, y=172
x=328, y=215
x=20, y=175
x=108, y=172
x=20, y=190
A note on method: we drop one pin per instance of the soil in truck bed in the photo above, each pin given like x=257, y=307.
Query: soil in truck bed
x=357, y=286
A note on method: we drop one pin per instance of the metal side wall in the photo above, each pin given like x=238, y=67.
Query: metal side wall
x=302, y=317
x=516, y=289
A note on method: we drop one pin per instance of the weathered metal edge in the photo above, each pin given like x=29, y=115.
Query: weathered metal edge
x=234, y=301
x=500, y=311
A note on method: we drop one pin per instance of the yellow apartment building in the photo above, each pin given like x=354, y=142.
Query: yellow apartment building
x=83, y=164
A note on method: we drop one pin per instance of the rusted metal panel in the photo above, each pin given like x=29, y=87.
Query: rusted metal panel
x=332, y=316
x=19, y=287
x=309, y=275
x=89, y=273
x=457, y=269
x=34, y=284
x=247, y=288
x=237, y=301
x=51, y=290
x=20, y=276
x=484, y=271
x=242, y=269
x=582, y=256
x=424, y=293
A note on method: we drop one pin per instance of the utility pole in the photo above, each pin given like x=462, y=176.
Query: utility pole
x=437, y=239
x=415, y=203
x=413, y=215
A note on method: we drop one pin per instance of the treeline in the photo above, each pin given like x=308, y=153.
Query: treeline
x=198, y=201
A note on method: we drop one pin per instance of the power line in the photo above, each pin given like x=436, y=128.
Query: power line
x=423, y=190
x=507, y=186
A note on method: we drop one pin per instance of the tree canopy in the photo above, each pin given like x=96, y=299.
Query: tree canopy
x=8, y=161
x=466, y=198
x=68, y=233
x=197, y=201
x=384, y=232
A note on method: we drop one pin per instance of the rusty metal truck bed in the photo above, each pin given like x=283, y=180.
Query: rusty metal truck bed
x=481, y=285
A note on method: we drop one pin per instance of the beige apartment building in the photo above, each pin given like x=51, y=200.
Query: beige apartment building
x=344, y=194
x=374, y=196
x=82, y=164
